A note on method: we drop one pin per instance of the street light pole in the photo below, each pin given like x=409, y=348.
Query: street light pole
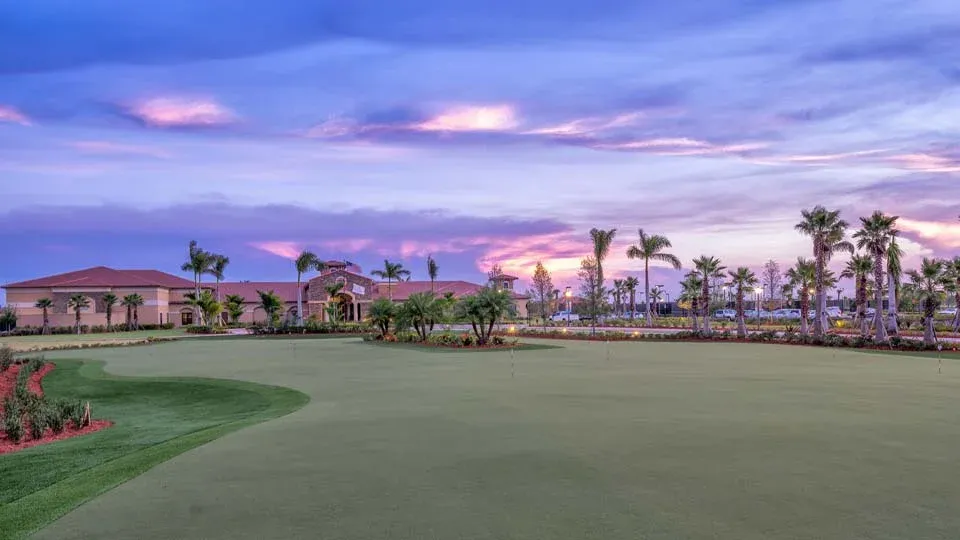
x=568, y=294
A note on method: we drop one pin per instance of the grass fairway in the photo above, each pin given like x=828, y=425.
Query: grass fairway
x=658, y=441
x=155, y=419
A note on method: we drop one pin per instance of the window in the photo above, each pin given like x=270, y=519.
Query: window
x=186, y=318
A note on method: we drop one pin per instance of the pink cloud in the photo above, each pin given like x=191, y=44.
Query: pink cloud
x=12, y=115
x=927, y=163
x=111, y=148
x=287, y=250
x=586, y=126
x=680, y=146
x=943, y=235
x=472, y=118
x=182, y=112
x=348, y=245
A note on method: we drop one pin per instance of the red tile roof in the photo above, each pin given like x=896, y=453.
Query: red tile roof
x=286, y=290
x=101, y=276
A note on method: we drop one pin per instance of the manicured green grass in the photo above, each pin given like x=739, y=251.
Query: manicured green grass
x=432, y=349
x=24, y=343
x=155, y=419
x=661, y=441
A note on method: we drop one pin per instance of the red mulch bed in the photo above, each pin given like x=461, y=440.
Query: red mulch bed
x=8, y=380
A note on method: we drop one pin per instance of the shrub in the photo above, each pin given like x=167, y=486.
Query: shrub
x=6, y=357
x=37, y=418
x=77, y=416
x=13, y=420
x=56, y=421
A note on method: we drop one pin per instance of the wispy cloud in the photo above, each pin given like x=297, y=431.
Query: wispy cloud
x=472, y=118
x=287, y=250
x=112, y=148
x=928, y=162
x=170, y=112
x=939, y=234
x=12, y=115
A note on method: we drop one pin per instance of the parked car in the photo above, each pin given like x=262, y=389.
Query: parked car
x=948, y=311
x=752, y=314
x=833, y=312
x=725, y=314
x=564, y=316
x=787, y=313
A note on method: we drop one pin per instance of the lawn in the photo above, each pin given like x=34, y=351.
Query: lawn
x=587, y=441
x=24, y=343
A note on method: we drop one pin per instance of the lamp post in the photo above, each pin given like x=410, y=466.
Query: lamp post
x=759, y=295
x=724, y=297
x=839, y=304
x=568, y=294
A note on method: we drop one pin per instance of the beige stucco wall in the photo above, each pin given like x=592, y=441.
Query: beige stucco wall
x=24, y=301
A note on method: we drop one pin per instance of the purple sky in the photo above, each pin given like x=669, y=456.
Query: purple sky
x=496, y=131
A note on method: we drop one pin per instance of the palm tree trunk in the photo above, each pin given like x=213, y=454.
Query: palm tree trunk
x=136, y=318
x=929, y=337
x=46, y=322
x=694, y=308
x=78, y=321
x=956, y=305
x=633, y=304
x=892, y=326
x=389, y=288
x=741, y=324
x=819, y=257
x=646, y=292
x=706, y=307
x=299, y=301
x=804, y=312
x=196, y=290
x=881, y=332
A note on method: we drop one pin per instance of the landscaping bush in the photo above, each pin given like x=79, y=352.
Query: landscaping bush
x=13, y=420
x=37, y=418
x=78, y=416
x=6, y=358
x=200, y=329
x=56, y=421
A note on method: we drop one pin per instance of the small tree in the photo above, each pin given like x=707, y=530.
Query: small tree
x=484, y=309
x=382, y=313
x=391, y=272
x=234, y=305
x=432, y=271
x=594, y=296
x=45, y=304
x=495, y=272
x=78, y=303
x=803, y=277
x=742, y=280
x=542, y=290
x=420, y=309
x=929, y=283
x=109, y=300
x=772, y=282
x=333, y=301
x=132, y=302
x=271, y=304
x=207, y=304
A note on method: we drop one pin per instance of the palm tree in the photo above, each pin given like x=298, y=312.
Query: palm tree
x=953, y=273
x=207, y=303
x=432, y=270
x=484, y=309
x=382, y=313
x=650, y=248
x=304, y=262
x=874, y=236
x=858, y=268
x=929, y=283
x=78, y=303
x=827, y=231
x=199, y=262
x=217, y=268
x=109, y=300
x=420, y=309
x=631, y=284
x=601, y=248
x=45, y=304
x=708, y=268
x=656, y=297
x=803, y=277
x=618, y=291
x=234, y=305
x=690, y=292
x=894, y=281
x=333, y=289
x=271, y=304
x=132, y=302
x=391, y=271
x=743, y=278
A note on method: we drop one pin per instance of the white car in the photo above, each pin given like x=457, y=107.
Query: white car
x=564, y=316
x=727, y=314
x=752, y=314
x=787, y=313
x=833, y=312
x=948, y=311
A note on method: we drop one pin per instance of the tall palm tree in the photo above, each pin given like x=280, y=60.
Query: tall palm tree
x=708, y=268
x=109, y=300
x=618, y=290
x=827, y=231
x=631, y=284
x=304, y=262
x=952, y=267
x=45, y=304
x=432, y=271
x=875, y=235
x=929, y=282
x=391, y=271
x=199, y=262
x=690, y=292
x=894, y=281
x=803, y=278
x=78, y=303
x=858, y=268
x=651, y=248
x=132, y=302
x=217, y=267
x=742, y=279
x=601, y=248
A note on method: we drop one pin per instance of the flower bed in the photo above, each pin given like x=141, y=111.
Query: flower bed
x=449, y=340
x=27, y=413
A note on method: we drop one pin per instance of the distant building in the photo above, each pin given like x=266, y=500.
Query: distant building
x=163, y=294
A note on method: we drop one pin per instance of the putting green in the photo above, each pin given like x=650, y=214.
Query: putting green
x=660, y=441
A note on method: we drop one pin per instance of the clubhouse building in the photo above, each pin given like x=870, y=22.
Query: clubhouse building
x=163, y=295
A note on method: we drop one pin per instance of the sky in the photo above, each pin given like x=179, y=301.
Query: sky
x=482, y=132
